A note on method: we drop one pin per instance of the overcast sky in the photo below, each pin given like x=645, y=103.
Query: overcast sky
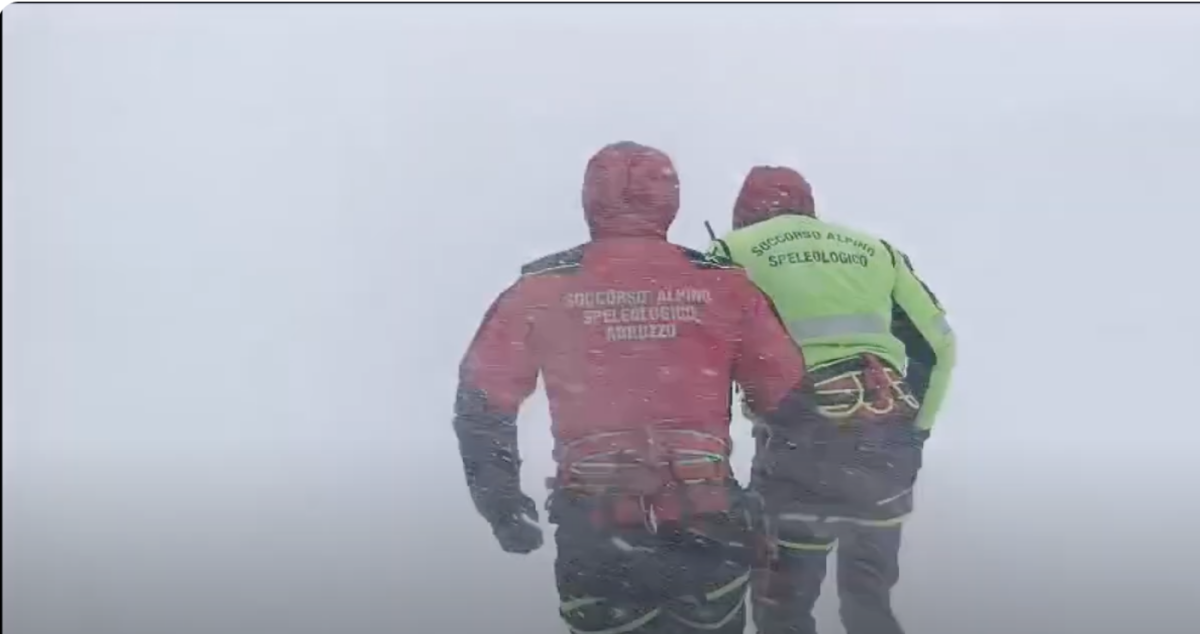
x=244, y=248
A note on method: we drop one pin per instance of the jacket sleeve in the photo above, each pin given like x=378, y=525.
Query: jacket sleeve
x=497, y=373
x=769, y=366
x=920, y=322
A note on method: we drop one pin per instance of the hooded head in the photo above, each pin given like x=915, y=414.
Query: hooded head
x=630, y=190
x=772, y=191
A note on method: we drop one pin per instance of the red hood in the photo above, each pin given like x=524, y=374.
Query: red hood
x=630, y=190
x=772, y=191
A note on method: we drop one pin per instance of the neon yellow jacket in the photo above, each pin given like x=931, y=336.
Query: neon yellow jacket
x=842, y=293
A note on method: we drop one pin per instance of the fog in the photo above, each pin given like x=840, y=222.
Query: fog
x=244, y=248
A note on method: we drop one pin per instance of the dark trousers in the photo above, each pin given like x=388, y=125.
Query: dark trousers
x=867, y=569
x=642, y=582
x=844, y=481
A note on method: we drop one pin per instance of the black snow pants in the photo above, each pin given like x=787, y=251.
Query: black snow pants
x=845, y=480
x=665, y=580
x=867, y=569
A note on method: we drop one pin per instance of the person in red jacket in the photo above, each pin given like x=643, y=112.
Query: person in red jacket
x=638, y=342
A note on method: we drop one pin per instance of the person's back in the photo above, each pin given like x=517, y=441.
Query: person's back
x=638, y=342
x=842, y=292
x=840, y=309
x=879, y=353
x=651, y=329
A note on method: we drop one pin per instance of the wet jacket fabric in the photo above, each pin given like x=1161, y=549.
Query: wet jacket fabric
x=635, y=339
x=880, y=353
x=844, y=293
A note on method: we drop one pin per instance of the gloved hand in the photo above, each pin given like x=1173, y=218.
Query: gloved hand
x=517, y=529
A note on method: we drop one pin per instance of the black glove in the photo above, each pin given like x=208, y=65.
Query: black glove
x=517, y=528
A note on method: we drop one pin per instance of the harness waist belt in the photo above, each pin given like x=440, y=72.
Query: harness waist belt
x=649, y=475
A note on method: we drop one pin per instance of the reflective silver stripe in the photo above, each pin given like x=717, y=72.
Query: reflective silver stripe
x=838, y=325
x=575, y=604
x=894, y=497
x=821, y=548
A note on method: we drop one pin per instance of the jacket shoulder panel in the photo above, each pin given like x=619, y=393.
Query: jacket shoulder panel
x=566, y=262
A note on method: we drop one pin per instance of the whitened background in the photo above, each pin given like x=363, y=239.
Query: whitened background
x=245, y=246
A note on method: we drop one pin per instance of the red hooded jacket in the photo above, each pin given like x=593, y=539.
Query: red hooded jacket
x=770, y=191
x=631, y=334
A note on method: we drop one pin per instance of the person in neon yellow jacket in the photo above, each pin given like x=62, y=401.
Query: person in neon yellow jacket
x=880, y=350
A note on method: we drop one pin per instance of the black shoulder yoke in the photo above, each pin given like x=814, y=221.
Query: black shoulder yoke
x=890, y=250
x=562, y=263
x=708, y=260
